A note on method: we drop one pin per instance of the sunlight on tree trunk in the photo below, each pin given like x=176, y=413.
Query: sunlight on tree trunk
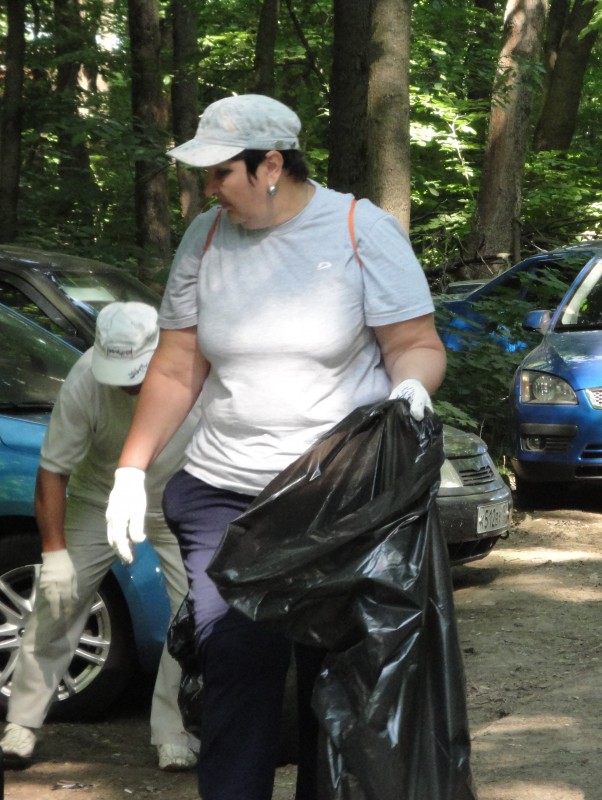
x=389, y=108
x=496, y=229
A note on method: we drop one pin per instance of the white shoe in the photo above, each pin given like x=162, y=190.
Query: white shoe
x=17, y=744
x=176, y=757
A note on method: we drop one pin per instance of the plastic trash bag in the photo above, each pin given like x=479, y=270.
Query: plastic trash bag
x=343, y=550
x=180, y=645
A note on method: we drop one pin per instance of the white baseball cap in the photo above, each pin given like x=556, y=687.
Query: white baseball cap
x=127, y=335
x=233, y=124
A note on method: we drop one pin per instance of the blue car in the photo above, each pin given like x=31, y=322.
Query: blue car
x=556, y=394
x=496, y=308
x=130, y=615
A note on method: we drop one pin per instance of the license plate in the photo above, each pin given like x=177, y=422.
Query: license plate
x=492, y=517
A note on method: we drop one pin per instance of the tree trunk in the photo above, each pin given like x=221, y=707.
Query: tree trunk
x=348, y=150
x=185, y=101
x=10, y=122
x=389, y=108
x=267, y=31
x=554, y=130
x=78, y=188
x=151, y=192
x=495, y=238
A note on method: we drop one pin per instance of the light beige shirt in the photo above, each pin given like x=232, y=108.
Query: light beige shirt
x=88, y=426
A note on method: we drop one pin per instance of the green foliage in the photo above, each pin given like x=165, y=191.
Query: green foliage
x=561, y=201
x=455, y=47
x=454, y=58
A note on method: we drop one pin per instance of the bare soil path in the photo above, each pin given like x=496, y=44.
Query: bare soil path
x=530, y=624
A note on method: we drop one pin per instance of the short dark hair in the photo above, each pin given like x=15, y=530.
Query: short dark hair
x=293, y=162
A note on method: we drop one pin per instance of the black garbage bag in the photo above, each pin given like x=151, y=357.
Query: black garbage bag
x=180, y=645
x=343, y=550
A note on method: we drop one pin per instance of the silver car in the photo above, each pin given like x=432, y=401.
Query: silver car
x=474, y=503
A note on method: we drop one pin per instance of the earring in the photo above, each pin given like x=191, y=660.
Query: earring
x=272, y=190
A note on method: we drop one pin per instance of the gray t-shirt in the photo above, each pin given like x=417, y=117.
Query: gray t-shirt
x=285, y=318
x=88, y=426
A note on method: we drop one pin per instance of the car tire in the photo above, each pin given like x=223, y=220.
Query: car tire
x=102, y=665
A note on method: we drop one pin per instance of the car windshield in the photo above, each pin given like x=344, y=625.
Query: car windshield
x=583, y=309
x=542, y=285
x=33, y=364
x=93, y=290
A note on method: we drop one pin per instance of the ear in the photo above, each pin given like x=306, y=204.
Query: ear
x=273, y=163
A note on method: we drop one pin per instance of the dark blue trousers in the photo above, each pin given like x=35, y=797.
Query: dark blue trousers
x=244, y=664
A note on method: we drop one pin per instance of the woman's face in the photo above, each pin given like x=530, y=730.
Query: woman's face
x=243, y=197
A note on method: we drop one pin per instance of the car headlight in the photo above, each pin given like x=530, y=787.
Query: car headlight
x=542, y=387
x=449, y=477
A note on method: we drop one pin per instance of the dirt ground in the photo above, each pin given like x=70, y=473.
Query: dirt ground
x=530, y=626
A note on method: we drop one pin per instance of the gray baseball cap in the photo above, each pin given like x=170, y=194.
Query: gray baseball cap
x=127, y=335
x=233, y=124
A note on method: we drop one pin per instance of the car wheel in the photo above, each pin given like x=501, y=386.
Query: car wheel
x=102, y=664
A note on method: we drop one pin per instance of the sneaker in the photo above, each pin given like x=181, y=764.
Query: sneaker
x=17, y=745
x=176, y=757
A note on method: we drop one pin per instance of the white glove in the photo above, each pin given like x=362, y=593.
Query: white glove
x=416, y=395
x=58, y=581
x=125, y=512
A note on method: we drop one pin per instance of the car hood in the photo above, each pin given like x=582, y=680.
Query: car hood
x=575, y=356
x=460, y=444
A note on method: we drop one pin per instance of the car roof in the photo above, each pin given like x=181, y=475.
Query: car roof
x=18, y=258
x=594, y=246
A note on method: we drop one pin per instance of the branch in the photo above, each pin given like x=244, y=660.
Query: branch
x=306, y=46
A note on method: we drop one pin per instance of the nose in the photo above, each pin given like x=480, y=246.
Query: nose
x=210, y=188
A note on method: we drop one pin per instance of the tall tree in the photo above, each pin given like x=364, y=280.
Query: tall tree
x=495, y=235
x=185, y=101
x=568, y=55
x=389, y=108
x=267, y=30
x=72, y=37
x=151, y=191
x=10, y=120
x=348, y=157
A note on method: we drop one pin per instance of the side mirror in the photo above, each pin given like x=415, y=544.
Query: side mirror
x=537, y=321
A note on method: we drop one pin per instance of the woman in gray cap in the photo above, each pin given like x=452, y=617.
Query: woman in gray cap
x=289, y=306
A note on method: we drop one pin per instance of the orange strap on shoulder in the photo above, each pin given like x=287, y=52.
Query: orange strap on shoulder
x=351, y=224
x=211, y=231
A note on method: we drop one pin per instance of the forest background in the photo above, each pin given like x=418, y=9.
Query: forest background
x=475, y=122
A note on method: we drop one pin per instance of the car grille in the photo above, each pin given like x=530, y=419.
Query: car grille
x=474, y=471
x=595, y=396
x=593, y=450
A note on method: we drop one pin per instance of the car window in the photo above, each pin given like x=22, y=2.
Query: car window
x=33, y=364
x=542, y=285
x=91, y=291
x=551, y=279
x=583, y=309
x=13, y=297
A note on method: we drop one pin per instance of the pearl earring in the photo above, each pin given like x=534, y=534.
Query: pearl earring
x=272, y=190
